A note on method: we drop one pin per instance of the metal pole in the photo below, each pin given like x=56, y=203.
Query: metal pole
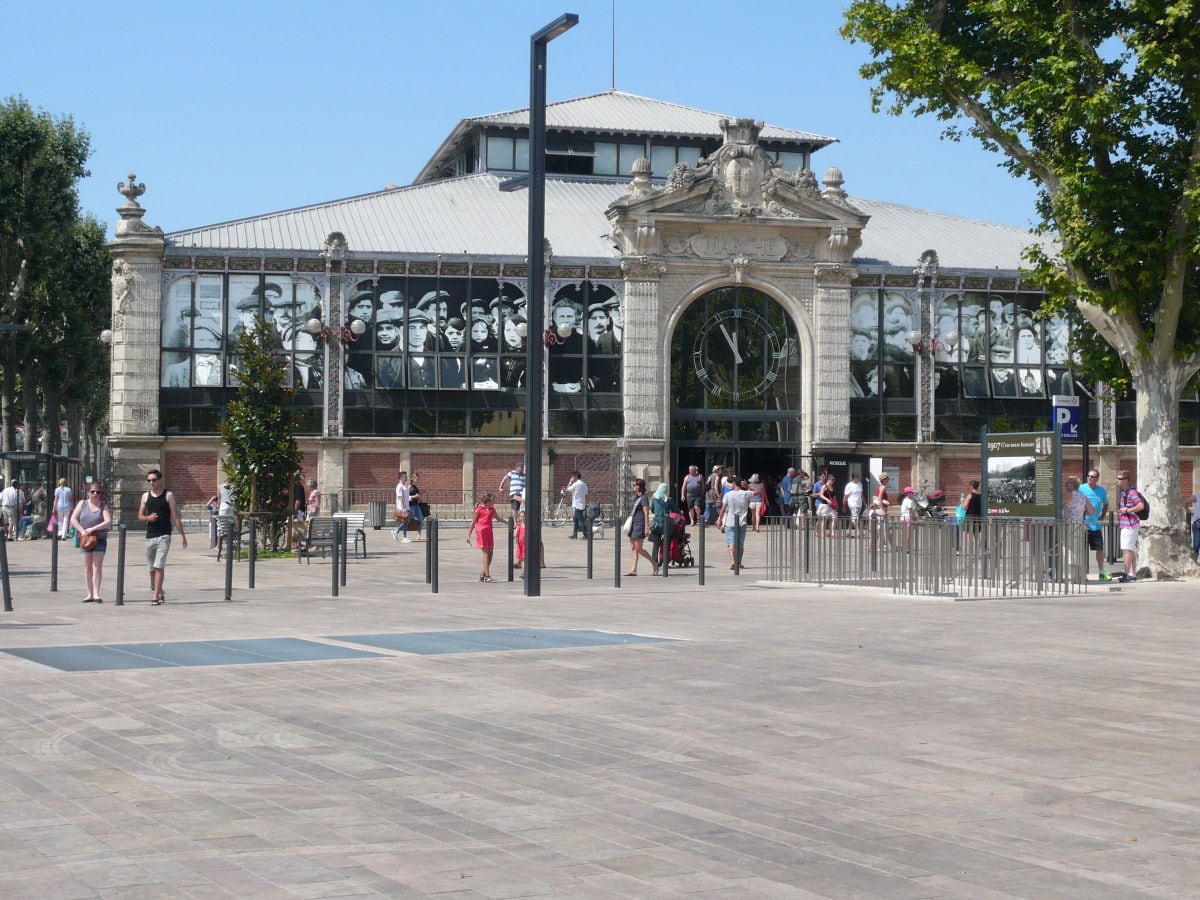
x=591, y=530
x=54, y=560
x=668, y=530
x=512, y=537
x=536, y=299
x=700, y=553
x=121, y=534
x=429, y=553
x=334, y=552
x=343, y=536
x=8, y=607
x=432, y=537
x=253, y=552
x=617, y=549
x=229, y=551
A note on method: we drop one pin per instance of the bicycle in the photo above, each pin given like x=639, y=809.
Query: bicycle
x=560, y=513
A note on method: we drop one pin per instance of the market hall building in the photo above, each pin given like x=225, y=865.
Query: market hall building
x=709, y=301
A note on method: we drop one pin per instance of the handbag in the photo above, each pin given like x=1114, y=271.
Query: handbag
x=627, y=525
x=88, y=541
x=424, y=509
x=400, y=515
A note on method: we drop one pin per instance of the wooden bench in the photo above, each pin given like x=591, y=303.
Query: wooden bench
x=320, y=535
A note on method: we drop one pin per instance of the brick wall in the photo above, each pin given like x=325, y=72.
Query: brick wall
x=955, y=474
x=308, y=466
x=191, y=477
x=490, y=468
x=904, y=464
x=366, y=471
x=441, y=477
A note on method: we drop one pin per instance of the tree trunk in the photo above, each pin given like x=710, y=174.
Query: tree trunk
x=29, y=400
x=74, y=424
x=1164, y=543
x=50, y=431
x=9, y=388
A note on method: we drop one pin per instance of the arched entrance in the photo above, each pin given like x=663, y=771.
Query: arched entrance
x=735, y=385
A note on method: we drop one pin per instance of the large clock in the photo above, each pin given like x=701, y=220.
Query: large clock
x=737, y=354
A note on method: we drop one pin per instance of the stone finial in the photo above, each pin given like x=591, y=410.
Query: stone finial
x=131, y=191
x=833, y=182
x=336, y=247
x=640, y=186
x=131, y=211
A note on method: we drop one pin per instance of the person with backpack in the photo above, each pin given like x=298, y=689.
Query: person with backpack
x=1133, y=510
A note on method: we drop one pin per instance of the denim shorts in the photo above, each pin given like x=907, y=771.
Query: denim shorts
x=156, y=551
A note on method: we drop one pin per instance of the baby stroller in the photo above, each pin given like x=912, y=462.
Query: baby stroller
x=679, y=554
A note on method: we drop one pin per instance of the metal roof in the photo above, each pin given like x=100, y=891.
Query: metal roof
x=622, y=112
x=610, y=112
x=471, y=216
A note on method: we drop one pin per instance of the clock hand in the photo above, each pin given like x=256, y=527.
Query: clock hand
x=732, y=341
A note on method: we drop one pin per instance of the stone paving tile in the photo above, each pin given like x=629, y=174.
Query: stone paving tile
x=794, y=743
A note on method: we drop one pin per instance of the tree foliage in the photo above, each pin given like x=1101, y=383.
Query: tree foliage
x=259, y=432
x=54, y=277
x=1098, y=103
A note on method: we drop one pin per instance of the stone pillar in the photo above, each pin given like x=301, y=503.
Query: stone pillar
x=134, y=443
x=829, y=421
x=643, y=372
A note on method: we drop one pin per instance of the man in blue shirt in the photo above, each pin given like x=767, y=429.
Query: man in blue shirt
x=1098, y=497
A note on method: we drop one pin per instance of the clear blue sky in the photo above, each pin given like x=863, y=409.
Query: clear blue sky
x=231, y=109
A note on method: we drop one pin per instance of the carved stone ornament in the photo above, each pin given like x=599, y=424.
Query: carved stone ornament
x=835, y=273
x=643, y=268
x=738, y=266
x=336, y=247
x=123, y=281
x=131, y=211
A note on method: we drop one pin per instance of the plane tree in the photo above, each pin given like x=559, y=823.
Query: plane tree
x=1096, y=103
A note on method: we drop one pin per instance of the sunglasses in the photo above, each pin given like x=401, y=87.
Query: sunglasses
x=152, y=480
x=95, y=492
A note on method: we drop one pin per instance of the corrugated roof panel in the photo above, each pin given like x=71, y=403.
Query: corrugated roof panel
x=619, y=111
x=470, y=215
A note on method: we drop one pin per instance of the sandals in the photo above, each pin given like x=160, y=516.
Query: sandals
x=488, y=578
x=158, y=601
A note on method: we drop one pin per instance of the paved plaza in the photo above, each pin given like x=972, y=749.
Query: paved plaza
x=783, y=742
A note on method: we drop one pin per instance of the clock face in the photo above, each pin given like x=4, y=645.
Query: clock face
x=737, y=354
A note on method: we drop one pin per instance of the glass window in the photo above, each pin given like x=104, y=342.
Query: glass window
x=606, y=159
x=791, y=162
x=522, y=155
x=629, y=154
x=500, y=153
x=662, y=160
x=689, y=155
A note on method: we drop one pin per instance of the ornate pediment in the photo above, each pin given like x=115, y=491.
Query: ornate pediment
x=739, y=181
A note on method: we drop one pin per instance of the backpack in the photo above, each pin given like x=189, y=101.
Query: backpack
x=1144, y=513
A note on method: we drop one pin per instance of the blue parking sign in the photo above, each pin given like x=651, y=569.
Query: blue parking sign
x=1066, y=416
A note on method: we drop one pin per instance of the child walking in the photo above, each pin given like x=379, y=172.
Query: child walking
x=481, y=527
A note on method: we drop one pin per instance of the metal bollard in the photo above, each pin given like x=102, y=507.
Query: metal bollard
x=53, y=562
x=668, y=530
x=512, y=540
x=343, y=536
x=617, y=549
x=739, y=544
x=591, y=531
x=8, y=607
x=700, y=554
x=432, y=537
x=229, y=551
x=429, y=555
x=122, y=533
x=335, y=553
x=212, y=532
x=252, y=553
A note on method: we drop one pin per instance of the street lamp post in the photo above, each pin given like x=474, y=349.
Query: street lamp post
x=534, y=347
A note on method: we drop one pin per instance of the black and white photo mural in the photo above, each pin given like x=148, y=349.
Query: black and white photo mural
x=992, y=349
x=423, y=353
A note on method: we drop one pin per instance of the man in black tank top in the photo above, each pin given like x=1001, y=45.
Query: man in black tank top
x=159, y=512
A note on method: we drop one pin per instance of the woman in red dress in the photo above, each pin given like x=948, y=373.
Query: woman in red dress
x=481, y=527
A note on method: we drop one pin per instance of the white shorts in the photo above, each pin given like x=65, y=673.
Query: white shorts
x=1129, y=538
x=855, y=513
x=825, y=510
x=156, y=551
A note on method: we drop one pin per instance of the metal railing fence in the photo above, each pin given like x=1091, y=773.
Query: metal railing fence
x=451, y=505
x=995, y=558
